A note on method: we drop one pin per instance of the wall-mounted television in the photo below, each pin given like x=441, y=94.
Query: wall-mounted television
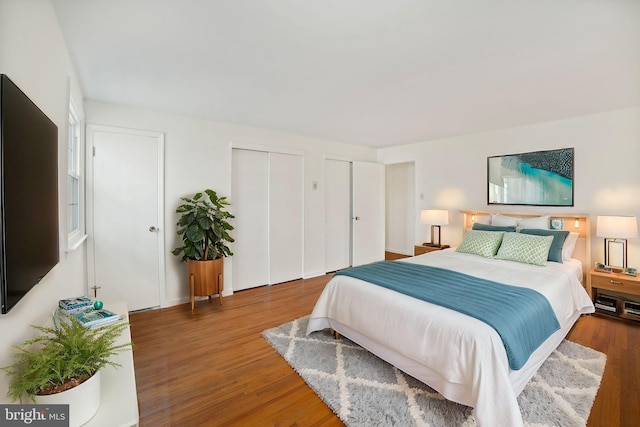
x=29, y=236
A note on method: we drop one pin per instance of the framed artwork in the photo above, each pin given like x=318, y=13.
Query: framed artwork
x=557, y=224
x=539, y=178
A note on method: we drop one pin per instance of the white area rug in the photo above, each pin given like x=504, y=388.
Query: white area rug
x=363, y=390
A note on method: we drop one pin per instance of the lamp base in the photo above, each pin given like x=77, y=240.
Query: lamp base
x=615, y=252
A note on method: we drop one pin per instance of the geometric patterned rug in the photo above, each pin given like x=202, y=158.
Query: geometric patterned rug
x=363, y=390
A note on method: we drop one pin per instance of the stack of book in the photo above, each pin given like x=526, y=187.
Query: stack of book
x=82, y=309
x=74, y=305
x=606, y=303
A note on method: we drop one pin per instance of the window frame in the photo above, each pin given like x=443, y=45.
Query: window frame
x=75, y=170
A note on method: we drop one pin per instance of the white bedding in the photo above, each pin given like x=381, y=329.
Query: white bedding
x=460, y=356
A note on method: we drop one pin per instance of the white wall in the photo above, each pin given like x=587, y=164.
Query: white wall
x=451, y=173
x=34, y=56
x=198, y=156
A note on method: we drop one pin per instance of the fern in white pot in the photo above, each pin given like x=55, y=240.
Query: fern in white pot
x=62, y=366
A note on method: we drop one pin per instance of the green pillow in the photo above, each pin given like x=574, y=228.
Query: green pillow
x=525, y=248
x=487, y=227
x=481, y=242
x=559, y=236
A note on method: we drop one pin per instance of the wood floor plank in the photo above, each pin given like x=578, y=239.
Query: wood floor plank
x=617, y=400
x=213, y=368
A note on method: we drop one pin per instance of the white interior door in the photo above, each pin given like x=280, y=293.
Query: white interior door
x=249, y=198
x=368, y=212
x=337, y=214
x=285, y=217
x=125, y=198
x=400, y=216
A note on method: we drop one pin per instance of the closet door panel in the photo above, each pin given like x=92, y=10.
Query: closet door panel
x=337, y=214
x=368, y=212
x=285, y=217
x=249, y=205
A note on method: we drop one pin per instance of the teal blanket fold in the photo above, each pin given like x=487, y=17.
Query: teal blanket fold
x=522, y=317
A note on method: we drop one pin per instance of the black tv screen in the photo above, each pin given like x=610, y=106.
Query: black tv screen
x=29, y=246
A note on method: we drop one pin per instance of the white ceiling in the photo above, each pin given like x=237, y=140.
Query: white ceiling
x=368, y=72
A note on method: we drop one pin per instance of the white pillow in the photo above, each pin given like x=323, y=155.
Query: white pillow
x=569, y=246
x=483, y=219
x=503, y=220
x=539, y=223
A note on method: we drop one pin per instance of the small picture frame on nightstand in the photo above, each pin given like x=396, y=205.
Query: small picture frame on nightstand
x=603, y=268
x=630, y=271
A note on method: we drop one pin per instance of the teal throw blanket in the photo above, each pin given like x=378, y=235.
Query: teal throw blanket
x=522, y=317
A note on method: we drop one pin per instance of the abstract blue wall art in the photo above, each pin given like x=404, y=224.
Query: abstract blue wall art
x=540, y=178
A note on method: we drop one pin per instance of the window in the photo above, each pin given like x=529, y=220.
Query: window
x=75, y=180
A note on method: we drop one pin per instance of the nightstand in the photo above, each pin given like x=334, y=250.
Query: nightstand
x=422, y=249
x=617, y=294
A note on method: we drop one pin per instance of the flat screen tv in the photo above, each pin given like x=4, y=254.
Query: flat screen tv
x=29, y=235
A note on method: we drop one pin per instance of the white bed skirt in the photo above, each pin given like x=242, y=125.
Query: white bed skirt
x=452, y=391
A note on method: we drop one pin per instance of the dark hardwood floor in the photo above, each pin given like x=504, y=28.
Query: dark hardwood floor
x=213, y=368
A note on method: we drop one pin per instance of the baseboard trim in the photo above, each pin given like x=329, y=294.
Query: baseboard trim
x=312, y=274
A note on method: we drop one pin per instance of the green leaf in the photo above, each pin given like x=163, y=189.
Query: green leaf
x=195, y=233
x=204, y=222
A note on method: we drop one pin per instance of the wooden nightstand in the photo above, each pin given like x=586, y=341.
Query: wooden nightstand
x=620, y=288
x=422, y=249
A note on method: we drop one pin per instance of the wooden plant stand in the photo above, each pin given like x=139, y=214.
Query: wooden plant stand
x=206, y=278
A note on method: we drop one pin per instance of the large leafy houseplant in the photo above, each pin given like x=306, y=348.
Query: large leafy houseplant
x=203, y=227
x=62, y=357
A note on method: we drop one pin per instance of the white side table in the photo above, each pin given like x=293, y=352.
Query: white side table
x=119, y=405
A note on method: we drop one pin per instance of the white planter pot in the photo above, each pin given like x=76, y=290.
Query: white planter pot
x=83, y=400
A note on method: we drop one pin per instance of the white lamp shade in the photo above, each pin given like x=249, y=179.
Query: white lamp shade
x=617, y=227
x=434, y=216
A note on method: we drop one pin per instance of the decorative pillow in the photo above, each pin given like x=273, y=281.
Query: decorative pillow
x=559, y=236
x=569, y=246
x=478, y=226
x=503, y=220
x=525, y=248
x=481, y=242
x=539, y=223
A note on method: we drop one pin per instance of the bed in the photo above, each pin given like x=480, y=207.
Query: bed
x=458, y=355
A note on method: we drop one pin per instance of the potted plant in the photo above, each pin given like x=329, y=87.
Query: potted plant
x=204, y=230
x=62, y=366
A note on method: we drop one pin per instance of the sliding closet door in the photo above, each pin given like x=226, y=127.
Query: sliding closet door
x=267, y=201
x=249, y=197
x=285, y=217
x=337, y=214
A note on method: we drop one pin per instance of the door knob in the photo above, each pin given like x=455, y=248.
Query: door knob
x=152, y=229
x=357, y=218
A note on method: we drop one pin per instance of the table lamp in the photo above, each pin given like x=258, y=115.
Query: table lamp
x=436, y=218
x=616, y=230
